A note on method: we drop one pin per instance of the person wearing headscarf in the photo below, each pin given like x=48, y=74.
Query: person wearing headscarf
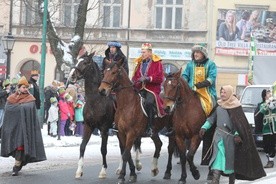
x=21, y=133
x=268, y=110
x=234, y=151
x=114, y=54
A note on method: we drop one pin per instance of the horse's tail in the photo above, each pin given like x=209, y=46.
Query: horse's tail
x=137, y=144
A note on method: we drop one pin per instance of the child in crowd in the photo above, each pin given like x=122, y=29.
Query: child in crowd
x=79, y=115
x=53, y=116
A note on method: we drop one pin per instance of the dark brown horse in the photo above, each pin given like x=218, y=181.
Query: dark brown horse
x=131, y=121
x=98, y=109
x=187, y=119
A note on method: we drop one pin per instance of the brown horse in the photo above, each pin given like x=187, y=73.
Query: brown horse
x=131, y=120
x=98, y=110
x=187, y=119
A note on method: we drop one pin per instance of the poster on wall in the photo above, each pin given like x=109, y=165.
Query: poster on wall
x=235, y=28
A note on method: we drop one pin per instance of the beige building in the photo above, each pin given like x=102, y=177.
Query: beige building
x=172, y=26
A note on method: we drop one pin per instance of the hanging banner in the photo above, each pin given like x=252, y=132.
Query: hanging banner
x=165, y=54
x=235, y=27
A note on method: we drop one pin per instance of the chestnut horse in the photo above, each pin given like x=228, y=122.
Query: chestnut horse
x=98, y=111
x=187, y=119
x=131, y=121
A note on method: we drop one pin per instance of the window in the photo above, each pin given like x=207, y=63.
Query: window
x=168, y=14
x=31, y=13
x=28, y=66
x=111, y=13
x=70, y=12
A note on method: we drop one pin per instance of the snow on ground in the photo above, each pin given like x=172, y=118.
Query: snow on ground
x=65, y=152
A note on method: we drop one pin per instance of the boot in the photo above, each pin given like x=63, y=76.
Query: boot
x=216, y=177
x=232, y=178
x=210, y=175
x=270, y=164
x=16, y=168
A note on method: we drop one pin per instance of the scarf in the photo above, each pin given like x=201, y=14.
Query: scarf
x=18, y=97
x=231, y=101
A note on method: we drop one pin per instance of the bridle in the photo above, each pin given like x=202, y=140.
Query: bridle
x=176, y=98
x=83, y=73
x=114, y=85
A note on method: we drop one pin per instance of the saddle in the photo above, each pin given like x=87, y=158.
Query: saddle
x=143, y=106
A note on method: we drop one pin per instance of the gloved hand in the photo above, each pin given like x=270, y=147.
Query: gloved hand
x=237, y=139
x=202, y=84
x=202, y=133
x=144, y=79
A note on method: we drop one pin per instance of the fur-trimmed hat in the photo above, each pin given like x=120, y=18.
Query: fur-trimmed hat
x=200, y=48
x=114, y=44
x=146, y=46
x=23, y=81
x=34, y=73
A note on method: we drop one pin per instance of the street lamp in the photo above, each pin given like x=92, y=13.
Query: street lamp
x=8, y=42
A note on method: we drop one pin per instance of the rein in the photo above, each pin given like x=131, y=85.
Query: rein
x=176, y=98
x=84, y=72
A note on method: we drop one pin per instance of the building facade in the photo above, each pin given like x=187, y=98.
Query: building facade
x=172, y=26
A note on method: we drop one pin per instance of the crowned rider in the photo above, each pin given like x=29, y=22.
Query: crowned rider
x=148, y=77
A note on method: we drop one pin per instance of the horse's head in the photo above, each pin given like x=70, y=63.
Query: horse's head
x=171, y=91
x=80, y=70
x=111, y=77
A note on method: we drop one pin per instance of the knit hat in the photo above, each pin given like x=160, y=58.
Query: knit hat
x=61, y=91
x=14, y=81
x=68, y=97
x=23, y=81
x=114, y=44
x=6, y=83
x=200, y=48
x=53, y=100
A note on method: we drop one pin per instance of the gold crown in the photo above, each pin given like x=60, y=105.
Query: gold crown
x=23, y=81
x=34, y=72
x=146, y=46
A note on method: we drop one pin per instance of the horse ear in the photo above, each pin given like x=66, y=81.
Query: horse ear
x=91, y=55
x=178, y=74
x=120, y=62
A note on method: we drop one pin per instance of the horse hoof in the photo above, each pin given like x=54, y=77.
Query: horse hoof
x=132, y=179
x=196, y=174
x=181, y=182
x=121, y=181
x=155, y=172
x=139, y=167
x=167, y=176
x=78, y=175
x=118, y=171
x=102, y=174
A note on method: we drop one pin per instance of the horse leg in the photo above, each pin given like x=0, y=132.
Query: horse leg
x=171, y=147
x=195, y=141
x=137, y=148
x=158, y=145
x=104, y=135
x=180, y=141
x=86, y=136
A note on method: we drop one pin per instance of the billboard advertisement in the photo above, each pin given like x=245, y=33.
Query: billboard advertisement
x=236, y=28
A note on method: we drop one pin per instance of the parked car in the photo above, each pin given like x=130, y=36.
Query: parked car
x=250, y=98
